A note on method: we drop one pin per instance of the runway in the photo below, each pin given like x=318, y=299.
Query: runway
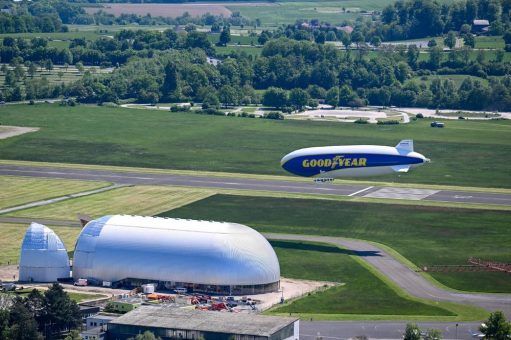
x=352, y=190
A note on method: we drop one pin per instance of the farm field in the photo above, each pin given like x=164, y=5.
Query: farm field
x=361, y=293
x=287, y=12
x=462, y=154
x=138, y=200
x=12, y=237
x=19, y=190
x=172, y=10
x=424, y=235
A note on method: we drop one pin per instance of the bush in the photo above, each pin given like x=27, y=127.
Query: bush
x=274, y=115
x=31, y=102
x=251, y=115
x=361, y=121
x=180, y=108
x=388, y=122
x=231, y=114
x=508, y=48
x=243, y=114
x=419, y=115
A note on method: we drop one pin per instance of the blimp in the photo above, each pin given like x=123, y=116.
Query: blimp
x=329, y=162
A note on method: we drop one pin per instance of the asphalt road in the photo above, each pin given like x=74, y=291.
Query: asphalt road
x=382, y=329
x=134, y=178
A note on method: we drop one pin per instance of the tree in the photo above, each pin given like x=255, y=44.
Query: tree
x=332, y=96
x=275, y=97
x=23, y=325
x=79, y=67
x=32, y=69
x=73, y=335
x=60, y=312
x=432, y=43
x=145, y=336
x=298, y=98
x=229, y=95
x=507, y=37
x=48, y=65
x=469, y=40
x=450, y=40
x=346, y=95
x=435, y=57
x=376, y=41
x=433, y=334
x=225, y=36
x=170, y=80
x=210, y=101
x=412, y=332
x=496, y=327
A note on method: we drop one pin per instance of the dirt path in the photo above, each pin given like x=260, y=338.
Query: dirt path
x=11, y=131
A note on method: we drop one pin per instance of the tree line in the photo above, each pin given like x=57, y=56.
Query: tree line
x=38, y=315
x=54, y=16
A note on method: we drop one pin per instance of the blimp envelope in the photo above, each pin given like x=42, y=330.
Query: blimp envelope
x=352, y=160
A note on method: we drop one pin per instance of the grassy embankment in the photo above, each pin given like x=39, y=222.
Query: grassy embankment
x=20, y=190
x=138, y=200
x=423, y=235
x=313, y=261
x=465, y=153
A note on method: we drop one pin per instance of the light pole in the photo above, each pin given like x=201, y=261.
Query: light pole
x=456, y=331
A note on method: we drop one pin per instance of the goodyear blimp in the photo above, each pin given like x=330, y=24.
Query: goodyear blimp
x=329, y=162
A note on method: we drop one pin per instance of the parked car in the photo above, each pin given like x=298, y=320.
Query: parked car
x=437, y=124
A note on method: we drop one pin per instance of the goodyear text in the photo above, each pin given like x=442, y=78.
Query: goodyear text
x=337, y=161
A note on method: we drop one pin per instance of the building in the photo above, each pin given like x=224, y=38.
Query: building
x=178, y=323
x=96, y=325
x=43, y=256
x=225, y=258
x=480, y=27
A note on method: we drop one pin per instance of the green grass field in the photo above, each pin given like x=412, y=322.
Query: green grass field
x=138, y=200
x=490, y=42
x=19, y=190
x=12, y=237
x=287, y=12
x=424, y=235
x=361, y=292
x=465, y=153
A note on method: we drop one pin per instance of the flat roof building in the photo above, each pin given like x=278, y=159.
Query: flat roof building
x=217, y=257
x=178, y=323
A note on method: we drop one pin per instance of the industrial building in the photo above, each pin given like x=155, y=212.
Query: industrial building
x=225, y=258
x=178, y=323
x=43, y=256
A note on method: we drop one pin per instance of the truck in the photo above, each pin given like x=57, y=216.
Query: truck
x=81, y=282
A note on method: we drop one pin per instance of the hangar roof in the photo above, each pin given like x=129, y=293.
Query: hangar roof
x=206, y=321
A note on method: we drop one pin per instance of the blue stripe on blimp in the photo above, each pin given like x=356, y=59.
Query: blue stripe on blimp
x=312, y=165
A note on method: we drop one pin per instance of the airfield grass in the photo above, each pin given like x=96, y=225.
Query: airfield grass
x=20, y=190
x=137, y=200
x=424, y=235
x=12, y=237
x=361, y=292
x=456, y=78
x=465, y=153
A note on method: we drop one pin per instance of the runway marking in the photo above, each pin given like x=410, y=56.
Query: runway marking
x=358, y=192
x=402, y=193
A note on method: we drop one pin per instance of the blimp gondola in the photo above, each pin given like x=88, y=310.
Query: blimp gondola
x=329, y=162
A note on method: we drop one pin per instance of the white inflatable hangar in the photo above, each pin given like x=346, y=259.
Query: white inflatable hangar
x=43, y=256
x=204, y=256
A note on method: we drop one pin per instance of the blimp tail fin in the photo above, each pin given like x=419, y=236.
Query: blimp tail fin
x=401, y=168
x=406, y=145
